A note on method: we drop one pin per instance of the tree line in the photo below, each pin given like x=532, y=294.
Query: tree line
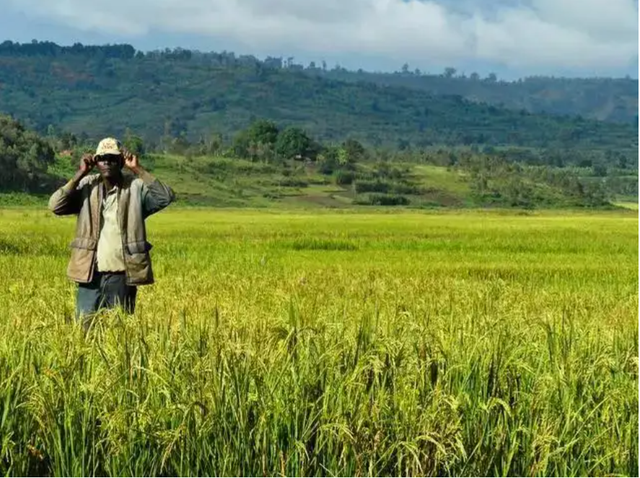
x=24, y=158
x=51, y=49
x=609, y=99
x=508, y=177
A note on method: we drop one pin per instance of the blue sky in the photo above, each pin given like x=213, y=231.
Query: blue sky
x=513, y=38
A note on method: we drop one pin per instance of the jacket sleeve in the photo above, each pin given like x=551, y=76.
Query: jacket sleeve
x=66, y=200
x=155, y=194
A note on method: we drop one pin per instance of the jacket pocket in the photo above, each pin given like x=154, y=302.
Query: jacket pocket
x=84, y=243
x=82, y=257
x=138, y=247
x=138, y=262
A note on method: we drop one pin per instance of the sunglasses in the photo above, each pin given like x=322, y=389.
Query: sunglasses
x=109, y=158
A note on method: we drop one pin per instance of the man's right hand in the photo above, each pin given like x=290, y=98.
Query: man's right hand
x=87, y=163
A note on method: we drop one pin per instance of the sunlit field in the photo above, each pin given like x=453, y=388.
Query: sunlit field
x=329, y=343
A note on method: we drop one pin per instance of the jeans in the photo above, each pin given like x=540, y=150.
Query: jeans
x=106, y=290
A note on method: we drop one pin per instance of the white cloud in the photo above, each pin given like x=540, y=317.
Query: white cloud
x=533, y=35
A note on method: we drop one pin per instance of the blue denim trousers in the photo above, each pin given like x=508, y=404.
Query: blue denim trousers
x=106, y=290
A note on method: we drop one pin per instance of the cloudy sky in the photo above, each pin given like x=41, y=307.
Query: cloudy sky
x=511, y=37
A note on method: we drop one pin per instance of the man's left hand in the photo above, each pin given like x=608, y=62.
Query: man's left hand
x=131, y=161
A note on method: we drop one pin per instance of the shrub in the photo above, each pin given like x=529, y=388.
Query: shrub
x=344, y=178
x=405, y=189
x=385, y=187
x=383, y=200
x=372, y=186
x=290, y=182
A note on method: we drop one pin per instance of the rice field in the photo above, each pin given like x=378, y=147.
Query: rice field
x=329, y=343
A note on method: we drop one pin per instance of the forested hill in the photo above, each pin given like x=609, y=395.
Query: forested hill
x=99, y=90
x=605, y=99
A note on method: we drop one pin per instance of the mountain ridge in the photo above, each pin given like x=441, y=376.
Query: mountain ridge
x=93, y=90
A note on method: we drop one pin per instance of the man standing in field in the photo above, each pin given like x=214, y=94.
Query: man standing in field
x=110, y=253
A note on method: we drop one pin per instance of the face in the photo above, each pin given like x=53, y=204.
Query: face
x=109, y=165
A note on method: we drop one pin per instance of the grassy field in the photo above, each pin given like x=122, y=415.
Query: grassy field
x=224, y=182
x=330, y=343
x=627, y=204
x=236, y=183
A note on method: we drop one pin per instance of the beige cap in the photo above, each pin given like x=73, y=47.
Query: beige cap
x=109, y=146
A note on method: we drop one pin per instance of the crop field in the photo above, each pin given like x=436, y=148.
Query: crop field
x=329, y=343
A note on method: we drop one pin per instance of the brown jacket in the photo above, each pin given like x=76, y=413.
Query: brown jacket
x=138, y=199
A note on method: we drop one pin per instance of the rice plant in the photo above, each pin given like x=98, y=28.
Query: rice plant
x=329, y=344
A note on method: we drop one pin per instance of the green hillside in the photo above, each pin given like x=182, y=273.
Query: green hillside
x=606, y=99
x=284, y=168
x=474, y=182
x=95, y=91
x=233, y=182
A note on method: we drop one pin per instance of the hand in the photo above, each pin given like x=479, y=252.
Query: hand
x=87, y=162
x=131, y=160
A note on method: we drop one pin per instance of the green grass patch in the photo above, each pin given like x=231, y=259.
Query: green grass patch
x=319, y=244
x=627, y=204
x=438, y=177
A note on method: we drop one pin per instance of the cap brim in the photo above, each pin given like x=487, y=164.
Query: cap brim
x=115, y=152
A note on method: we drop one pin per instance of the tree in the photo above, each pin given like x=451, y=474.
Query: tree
x=293, y=142
x=353, y=151
x=622, y=161
x=215, y=143
x=263, y=131
x=68, y=140
x=403, y=144
x=449, y=72
x=51, y=131
x=133, y=143
x=179, y=144
x=329, y=159
x=593, y=194
x=259, y=132
x=599, y=169
x=350, y=152
x=24, y=157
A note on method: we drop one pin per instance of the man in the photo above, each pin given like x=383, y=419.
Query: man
x=110, y=253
